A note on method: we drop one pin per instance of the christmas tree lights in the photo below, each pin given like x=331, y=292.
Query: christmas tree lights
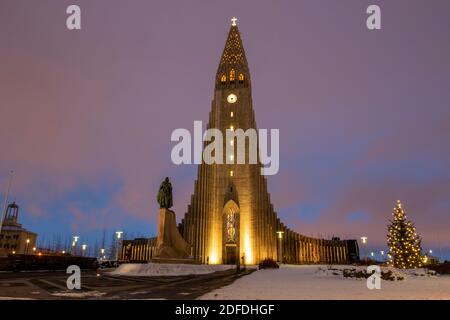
x=403, y=241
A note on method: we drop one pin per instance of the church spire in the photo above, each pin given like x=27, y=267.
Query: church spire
x=233, y=66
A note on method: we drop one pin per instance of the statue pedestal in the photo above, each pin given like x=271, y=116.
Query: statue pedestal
x=170, y=245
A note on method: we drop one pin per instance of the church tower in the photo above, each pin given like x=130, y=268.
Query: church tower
x=231, y=219
x=230, y=212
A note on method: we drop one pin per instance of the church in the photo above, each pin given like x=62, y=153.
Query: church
x=230, y=218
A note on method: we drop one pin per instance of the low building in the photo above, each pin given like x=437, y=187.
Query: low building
x=428, y=259
x=15, y=239
x=137, y=250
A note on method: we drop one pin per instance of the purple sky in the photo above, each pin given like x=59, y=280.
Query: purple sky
x=364, y=116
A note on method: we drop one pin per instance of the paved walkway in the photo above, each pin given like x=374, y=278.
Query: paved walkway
x=52, y=285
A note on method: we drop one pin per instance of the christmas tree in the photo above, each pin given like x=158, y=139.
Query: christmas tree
x=403, y=241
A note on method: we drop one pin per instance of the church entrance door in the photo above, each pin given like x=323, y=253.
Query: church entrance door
x=231, y=254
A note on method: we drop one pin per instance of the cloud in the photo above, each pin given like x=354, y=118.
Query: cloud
x=35, y=211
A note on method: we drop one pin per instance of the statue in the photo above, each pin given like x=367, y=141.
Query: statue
x=165, y=195
x=170, y=243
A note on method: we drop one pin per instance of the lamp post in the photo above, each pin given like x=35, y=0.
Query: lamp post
x=382, y=255
x=280, y=245
x=26, y=246
x=74, y=245
x=83, y=247
x=102, y=254
x=119, y=237
x=364, y=241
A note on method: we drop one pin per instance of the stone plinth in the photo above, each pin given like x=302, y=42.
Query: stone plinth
x=170, y=244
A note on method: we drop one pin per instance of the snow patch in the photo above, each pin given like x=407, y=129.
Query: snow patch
x=167, y=269
x=74, y=294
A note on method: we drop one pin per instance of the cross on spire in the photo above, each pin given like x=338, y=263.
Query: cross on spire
x=233, y=21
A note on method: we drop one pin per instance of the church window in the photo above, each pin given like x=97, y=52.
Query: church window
x=232, y=75
x=241, y=78
x=223, y=79
x=231, y=227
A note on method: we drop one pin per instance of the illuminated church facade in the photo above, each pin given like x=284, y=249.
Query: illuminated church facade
x=231, y=218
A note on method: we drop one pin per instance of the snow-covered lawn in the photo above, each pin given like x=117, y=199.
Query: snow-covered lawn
x=166, y=269
x=316, y=282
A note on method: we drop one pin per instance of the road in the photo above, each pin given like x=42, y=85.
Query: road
x=102, y=285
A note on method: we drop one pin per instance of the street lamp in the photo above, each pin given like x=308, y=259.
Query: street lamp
x=382, y=255
x=119, y=236
x=102, y=253
x=364, y=241
x=74, y=244
x=26, y=247
x=83, y=247
x=280, y=238
x=34, y=250
x=430, y=251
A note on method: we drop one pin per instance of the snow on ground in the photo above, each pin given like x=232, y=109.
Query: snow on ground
x=300, y=282
x=74, y=294
x=166, y=269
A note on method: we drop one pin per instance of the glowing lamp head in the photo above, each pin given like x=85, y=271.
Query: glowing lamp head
x=280, y=234
x=364, y=240
x=119, y=234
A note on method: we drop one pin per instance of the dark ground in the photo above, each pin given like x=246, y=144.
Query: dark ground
x=101, y=285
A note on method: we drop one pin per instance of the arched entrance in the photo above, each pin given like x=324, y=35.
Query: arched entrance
x=230, y=233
